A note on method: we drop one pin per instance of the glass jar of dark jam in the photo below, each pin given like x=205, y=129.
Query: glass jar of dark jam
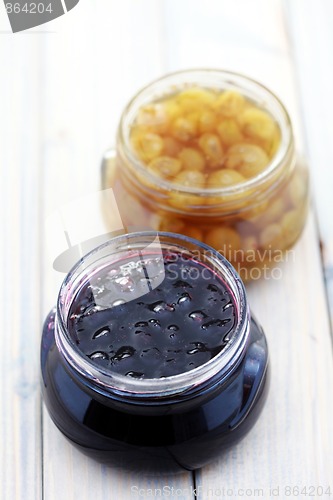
x=151, y=359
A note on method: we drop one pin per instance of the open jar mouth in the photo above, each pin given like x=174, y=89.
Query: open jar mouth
x=216, y=80
x=126, y=246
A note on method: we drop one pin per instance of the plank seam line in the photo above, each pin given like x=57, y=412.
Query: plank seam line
x=41, y=202
x=305, y=135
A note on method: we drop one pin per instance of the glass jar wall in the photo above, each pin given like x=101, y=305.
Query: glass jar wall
x=173, y=383
x=210, y=154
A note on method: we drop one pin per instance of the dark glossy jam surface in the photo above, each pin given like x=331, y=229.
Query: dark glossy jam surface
x=152, y=315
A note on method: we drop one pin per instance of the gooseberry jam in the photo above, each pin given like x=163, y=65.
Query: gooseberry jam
x=211, y=154
x=151, y=359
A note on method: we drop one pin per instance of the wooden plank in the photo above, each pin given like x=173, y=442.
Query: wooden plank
x=291, y=443
x=284, y=448
x=213, y=34
x=93, y=65
x=310, y=30
x=20, y=405
x=91, y=69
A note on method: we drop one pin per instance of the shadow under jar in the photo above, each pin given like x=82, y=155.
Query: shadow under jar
x=151, y=360
x=210, y=154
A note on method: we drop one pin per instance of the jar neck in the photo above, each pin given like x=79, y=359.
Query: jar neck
x=152, y=391
x=223, y=200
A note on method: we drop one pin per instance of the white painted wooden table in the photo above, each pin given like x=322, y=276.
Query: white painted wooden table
x=62, y=87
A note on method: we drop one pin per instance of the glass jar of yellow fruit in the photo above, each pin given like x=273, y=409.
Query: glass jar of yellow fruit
x=210, y=154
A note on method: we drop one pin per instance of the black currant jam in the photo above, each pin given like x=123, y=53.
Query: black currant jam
x=151, y=360
x=175, y=327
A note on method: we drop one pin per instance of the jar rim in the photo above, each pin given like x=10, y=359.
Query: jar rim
x=130, y=388
x=285, y=150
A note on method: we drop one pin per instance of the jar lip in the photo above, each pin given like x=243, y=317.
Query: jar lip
x=285, y=149
x=106, y=380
